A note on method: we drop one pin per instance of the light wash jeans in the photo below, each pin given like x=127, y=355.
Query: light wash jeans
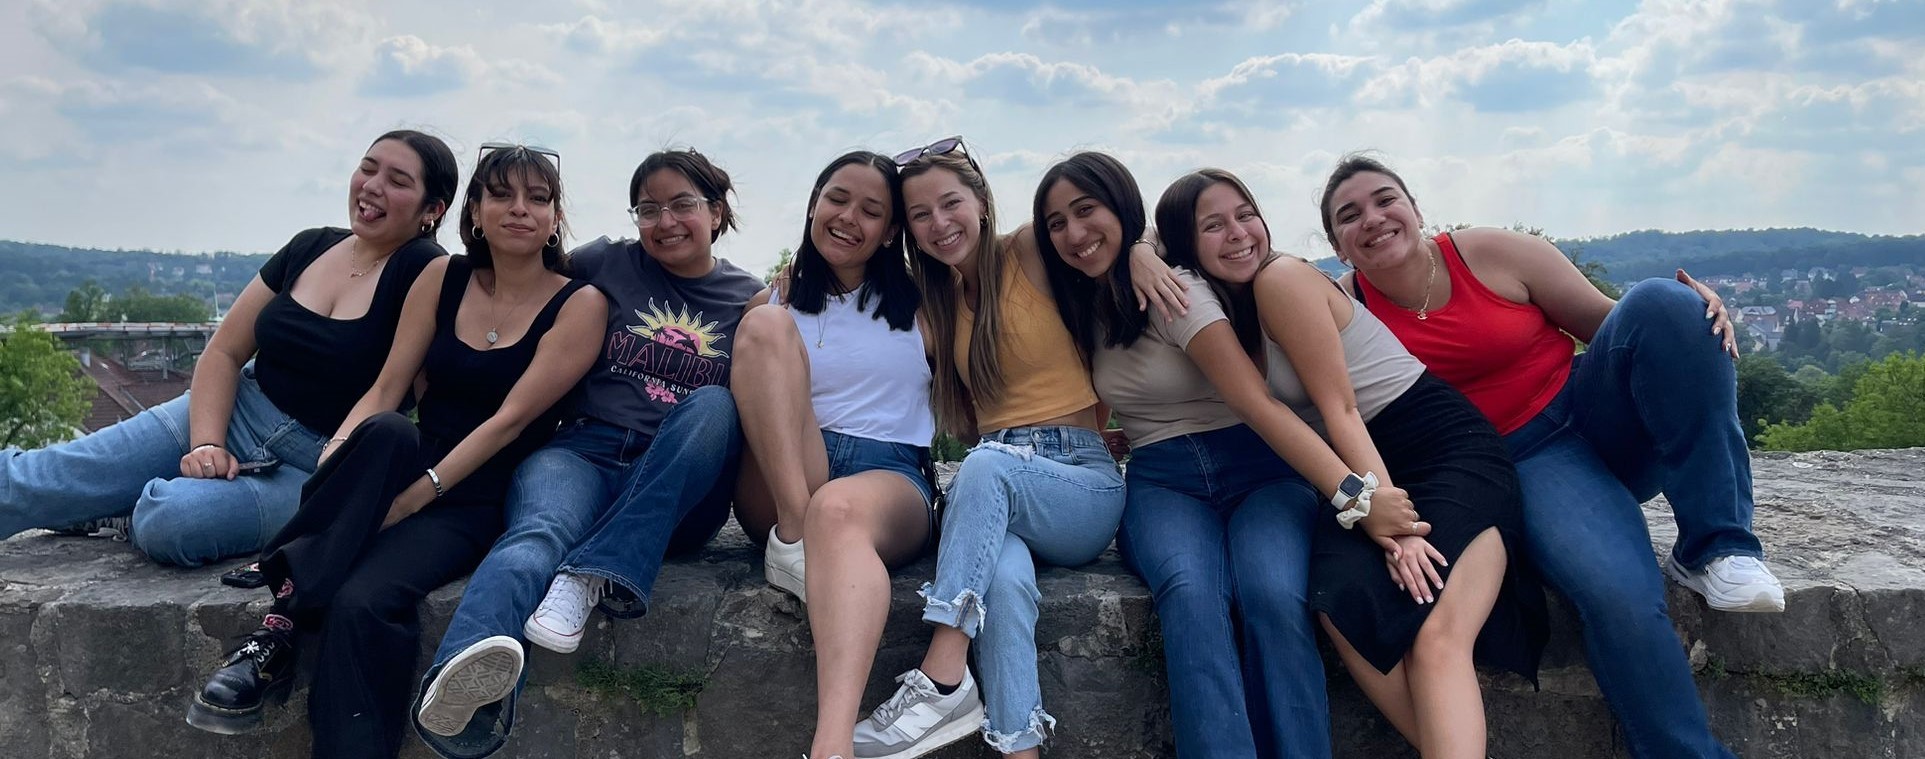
x=134, y=467
x=1023, y=494
x=1220, y=528
x=1651, y=404
x=628, y=499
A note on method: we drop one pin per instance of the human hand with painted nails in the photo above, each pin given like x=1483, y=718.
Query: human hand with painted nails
x=1714, y=312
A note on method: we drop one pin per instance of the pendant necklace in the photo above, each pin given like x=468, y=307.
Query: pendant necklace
x=355, y=269
x=1423, y=311
x=494, y=333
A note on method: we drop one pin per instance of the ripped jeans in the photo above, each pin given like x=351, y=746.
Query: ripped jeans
x=1025, y=494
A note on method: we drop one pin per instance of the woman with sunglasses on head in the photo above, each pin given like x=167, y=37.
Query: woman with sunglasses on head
x=1382, y=440
x=833, y=388
x=643, y=469
x=1041, y=484
x=1649, y=406
x=398, y=509
x=294, y=352
x=1217, y=525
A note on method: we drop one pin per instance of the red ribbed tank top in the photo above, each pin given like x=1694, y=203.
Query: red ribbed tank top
x=1506, y=357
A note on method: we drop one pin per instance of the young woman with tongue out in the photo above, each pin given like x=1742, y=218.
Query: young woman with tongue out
x=297, y=348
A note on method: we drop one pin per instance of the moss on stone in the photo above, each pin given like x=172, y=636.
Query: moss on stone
x=657, y=690
x=1815, y=685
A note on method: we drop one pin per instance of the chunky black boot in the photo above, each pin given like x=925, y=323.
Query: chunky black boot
x=262, y=668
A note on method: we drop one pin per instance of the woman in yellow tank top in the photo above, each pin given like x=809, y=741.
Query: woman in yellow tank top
x=1039, y=486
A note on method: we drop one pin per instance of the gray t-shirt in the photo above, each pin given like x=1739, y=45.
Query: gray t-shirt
x=667, y=335
x=1380, y=370
x=1154, y=388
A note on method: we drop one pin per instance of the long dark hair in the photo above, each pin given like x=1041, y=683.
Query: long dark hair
x=1176, y=222
x=886, y=276
x=492, y=173
x=1089, y=305
x=439, y=172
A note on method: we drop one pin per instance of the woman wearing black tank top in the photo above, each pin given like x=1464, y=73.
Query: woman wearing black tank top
x=395, y=509
x=302, y=341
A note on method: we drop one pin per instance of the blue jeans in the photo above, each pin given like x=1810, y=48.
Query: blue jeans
x=628, y=500
x=1025, y=493
x=1220, y=528
x=134, y=467
x=1652, y=404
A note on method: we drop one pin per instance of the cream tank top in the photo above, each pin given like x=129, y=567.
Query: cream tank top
x=1380, y=370
x=865, y=379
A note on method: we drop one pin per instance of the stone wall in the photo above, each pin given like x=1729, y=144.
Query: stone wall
x=100, y=651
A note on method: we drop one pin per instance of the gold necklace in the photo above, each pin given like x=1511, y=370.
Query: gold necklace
x=1423, y=311
x=355, y=269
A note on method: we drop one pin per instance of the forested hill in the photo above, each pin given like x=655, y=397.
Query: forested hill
x=40, y=276
x=1633, y=256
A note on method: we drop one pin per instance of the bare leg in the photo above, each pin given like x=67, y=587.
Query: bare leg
x=1390, y=692
x=947, y=659
x=784, y=461
x=1443, y=680
x=856, y=528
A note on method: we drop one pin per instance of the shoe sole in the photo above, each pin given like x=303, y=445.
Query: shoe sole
x=224, y=721
x=480, y=675
x=1760, y=602
x=954, y=730
x=549, y=639
x=786, y=581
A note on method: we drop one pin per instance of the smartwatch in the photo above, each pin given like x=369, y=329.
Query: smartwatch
x=1352, y=499
x=1349, y=490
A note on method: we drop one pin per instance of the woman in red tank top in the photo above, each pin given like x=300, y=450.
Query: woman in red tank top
x=1650, y=406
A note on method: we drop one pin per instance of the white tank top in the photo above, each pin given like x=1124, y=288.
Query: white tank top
x=865, y=379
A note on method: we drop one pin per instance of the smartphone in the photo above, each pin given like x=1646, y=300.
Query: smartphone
x=249, y=468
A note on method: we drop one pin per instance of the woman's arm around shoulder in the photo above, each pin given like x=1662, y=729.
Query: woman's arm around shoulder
x=411, y=337
x=1529, y=269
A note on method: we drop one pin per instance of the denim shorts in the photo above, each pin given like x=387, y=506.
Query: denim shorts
x=849, y=455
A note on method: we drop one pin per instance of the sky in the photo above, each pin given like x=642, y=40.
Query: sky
x=232, y=124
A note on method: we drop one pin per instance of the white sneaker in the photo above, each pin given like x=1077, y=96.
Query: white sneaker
x=782, y=565
x=557, y=624
x=1732, y=583
x=481, y=674
x=918, y=720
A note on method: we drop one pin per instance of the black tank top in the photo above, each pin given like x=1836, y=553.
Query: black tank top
x=466, y=386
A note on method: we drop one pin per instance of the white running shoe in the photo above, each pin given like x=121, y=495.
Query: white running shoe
x=782, y=565
x=1732, y=583
x=481, y=674
x=918, y=720
x=558, y=623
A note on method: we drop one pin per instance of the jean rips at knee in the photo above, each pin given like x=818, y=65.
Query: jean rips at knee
x=966, y=612
x=1032, y=735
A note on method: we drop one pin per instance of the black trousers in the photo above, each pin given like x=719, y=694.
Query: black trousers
x=357, y=586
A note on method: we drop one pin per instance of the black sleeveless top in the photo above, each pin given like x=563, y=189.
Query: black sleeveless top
x=466, y=386
x=315, y=368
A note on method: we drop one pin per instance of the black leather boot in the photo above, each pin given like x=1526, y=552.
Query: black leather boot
x=261, y=668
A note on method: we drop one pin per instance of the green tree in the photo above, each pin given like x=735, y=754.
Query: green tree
x=1886, y=410
x=42, y=395
x=137, y=305
x=1767, y=395
x=86, y=303
x=781, y=264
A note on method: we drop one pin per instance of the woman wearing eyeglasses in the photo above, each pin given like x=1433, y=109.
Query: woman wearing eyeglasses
x=397, y=509
x=644, y=467
x=833, y=387
x=1039, y=486
x=299, y=345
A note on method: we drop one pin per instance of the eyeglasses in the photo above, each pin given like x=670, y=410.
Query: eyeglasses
x=650, y=214
x=489, y=147
x=939, y=147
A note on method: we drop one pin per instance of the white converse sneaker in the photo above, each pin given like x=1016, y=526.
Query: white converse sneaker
x=1732, y=583
x=557, y=624
x=481, y=674
x=782, y=565
x=918, y=720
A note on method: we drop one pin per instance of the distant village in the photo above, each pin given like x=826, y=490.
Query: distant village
x=1766, y=305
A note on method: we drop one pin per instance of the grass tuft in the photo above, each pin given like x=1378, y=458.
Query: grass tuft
x=656, y=690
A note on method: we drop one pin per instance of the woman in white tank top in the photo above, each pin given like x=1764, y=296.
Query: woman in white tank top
x=832, y=383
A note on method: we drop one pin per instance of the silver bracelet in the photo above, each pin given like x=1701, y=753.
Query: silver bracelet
x=435, y=479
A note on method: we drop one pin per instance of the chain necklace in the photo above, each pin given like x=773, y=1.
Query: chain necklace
x=1423, y=311
x=355, y=268
x=494, y=333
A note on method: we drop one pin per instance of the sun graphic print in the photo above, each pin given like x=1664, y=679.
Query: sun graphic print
x=666, y=326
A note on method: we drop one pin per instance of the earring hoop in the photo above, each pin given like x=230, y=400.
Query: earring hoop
x=477, y=231
x=427, y=227
x=554, y=240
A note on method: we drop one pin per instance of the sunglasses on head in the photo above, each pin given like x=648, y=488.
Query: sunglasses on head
x=939, y=147
x=490, y=147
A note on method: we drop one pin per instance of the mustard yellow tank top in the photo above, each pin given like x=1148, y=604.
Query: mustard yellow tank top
x=1043, y=378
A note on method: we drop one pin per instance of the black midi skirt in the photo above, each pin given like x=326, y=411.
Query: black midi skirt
x=1442, y=450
